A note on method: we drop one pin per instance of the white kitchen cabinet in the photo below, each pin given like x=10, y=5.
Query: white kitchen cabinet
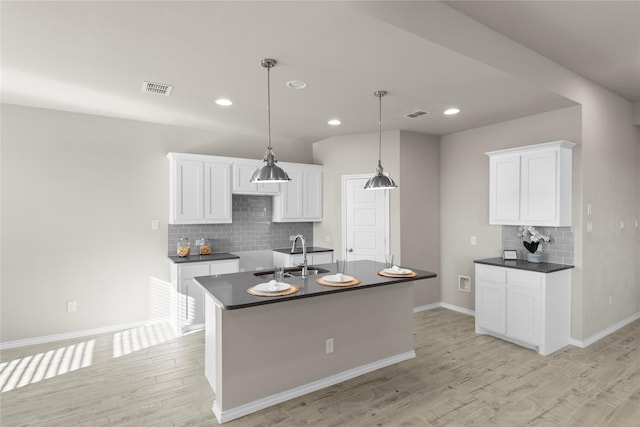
x=243, y=170
x=200, y=189
x=190, y=295
x=528, y=308
x=299, y=200
x=293, y=260
x=531, y=185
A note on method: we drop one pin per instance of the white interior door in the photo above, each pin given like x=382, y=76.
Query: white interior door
x=365, y=220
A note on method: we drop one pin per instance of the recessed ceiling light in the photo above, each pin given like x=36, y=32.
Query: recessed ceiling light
x=224, y=102
x=296, y=84
x=451, y=111
x=334, y=122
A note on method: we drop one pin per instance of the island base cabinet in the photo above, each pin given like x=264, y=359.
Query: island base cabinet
x=259, y=356
x=527, y=308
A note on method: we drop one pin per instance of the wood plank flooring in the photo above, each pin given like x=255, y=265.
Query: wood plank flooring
x=457, y=379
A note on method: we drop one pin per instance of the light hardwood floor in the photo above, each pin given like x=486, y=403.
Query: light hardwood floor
x=457, y=379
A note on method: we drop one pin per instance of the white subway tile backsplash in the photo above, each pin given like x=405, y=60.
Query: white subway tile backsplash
x=559, y=249
x=251, y=229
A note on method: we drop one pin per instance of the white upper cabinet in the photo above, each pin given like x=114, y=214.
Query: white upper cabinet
x=300, y=200
x=531, y=185
x=243, y=170
x=200, y=189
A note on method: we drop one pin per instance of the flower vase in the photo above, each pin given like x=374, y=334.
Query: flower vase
x=534, y=257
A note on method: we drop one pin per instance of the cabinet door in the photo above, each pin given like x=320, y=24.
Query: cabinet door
x=504, y=189
x=188, y=191
x=291, y=196
x=312, y=194
x=539, y=174
x=191, y=297
x=217, y=192
x=242, y=173
x=491, y=306
x=523, y=314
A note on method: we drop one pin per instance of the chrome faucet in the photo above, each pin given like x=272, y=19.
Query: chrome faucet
x=305, y=267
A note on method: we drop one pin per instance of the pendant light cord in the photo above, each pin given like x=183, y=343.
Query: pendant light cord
x=380, y=95
x=269, y=104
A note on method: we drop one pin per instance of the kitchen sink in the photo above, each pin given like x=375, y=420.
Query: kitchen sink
x=293, y=272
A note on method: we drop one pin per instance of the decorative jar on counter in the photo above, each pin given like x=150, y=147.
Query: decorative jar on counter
x=184, y=248
x=204, y=246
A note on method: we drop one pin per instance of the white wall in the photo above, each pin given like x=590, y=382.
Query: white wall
x=78, y=195
x=414, y=228
x=464, y=194
x=610, y=167
x=352, y=155
x=420, y=210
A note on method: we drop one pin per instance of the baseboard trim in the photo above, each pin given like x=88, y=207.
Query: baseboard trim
x=77, y=334
x=458, y=309
x=426, y=307
x=256, y=405
x=603, y=333
x=451, y=307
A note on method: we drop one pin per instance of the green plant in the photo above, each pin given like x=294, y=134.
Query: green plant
x=534, y=237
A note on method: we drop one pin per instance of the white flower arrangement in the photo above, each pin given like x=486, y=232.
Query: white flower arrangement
x=535, y=237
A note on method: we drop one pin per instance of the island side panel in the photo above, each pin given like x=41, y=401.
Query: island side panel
x=274, y=348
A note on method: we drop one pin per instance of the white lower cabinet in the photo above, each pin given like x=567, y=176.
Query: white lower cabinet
x=293, y=260
x=528, y=308
x=190, y=295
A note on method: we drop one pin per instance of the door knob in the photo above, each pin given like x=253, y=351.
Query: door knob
x=350, y=250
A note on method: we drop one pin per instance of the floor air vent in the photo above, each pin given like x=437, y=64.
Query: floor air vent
x=416, y=113
x=157, y=88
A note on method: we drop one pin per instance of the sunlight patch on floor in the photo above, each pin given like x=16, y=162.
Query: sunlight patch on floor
x=34, y=368
x=130, y=340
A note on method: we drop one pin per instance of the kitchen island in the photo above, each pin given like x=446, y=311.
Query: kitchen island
x=260, y=351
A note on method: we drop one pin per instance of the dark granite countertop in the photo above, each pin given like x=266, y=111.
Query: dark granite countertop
x=217, y=256
x=230, y=290
x=310, y=249
x=521, y=264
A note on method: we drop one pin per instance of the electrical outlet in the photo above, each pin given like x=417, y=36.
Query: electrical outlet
x=610, y=301
x=474, y=240
x=292, y=238
x=154, y=224
x=329, y=345
x=71, y=306
x=327, y=238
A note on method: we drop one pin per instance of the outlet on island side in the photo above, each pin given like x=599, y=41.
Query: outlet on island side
x=71, y=306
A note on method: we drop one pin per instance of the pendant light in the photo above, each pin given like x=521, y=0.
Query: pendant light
x=270, y=172
x=380, y=181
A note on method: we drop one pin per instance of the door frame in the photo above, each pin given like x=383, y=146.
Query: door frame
x=343, y=210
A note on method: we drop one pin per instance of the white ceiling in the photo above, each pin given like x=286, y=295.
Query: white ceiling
x=92, y=57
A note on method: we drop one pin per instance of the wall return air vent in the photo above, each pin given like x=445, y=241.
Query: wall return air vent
x=157, y=88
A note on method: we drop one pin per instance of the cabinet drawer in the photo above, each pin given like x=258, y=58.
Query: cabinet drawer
x=224, y=267
x=194, y=270
x=491, y=274
x=524, y=279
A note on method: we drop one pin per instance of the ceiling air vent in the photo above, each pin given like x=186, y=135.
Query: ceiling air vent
x=157, y=88
x=416, y=113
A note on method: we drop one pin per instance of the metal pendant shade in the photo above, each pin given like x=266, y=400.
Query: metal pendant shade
x=270, y=172
x=380, y=181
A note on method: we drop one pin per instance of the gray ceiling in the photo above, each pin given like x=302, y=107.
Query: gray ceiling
x=92, y=57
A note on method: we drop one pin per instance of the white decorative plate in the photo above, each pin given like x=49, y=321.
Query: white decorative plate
x=397, y=270
x=272, y=286
x=336, y=279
